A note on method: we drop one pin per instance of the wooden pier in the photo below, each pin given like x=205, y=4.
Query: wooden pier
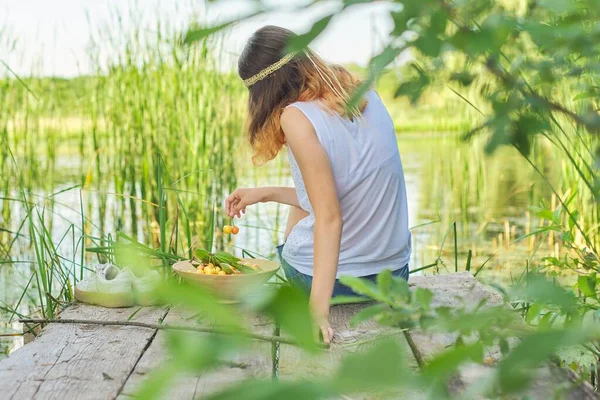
x=84, y=361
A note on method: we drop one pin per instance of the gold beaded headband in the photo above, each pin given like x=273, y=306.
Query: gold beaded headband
x=269, y=70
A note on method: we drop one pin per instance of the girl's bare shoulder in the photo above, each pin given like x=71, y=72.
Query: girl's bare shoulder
x=294, y=121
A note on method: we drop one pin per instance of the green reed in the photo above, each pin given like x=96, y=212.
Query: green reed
x=150, y=139
x=155, y=99
x=163, y=107
x=488, y=195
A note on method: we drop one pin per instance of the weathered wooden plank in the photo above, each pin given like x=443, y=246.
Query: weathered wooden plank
x=257, y=363
x=451, y=290
x=456, y=289
x=99, y=362
x=294, y=363
x=78, y=361
x=553, y=382
x=463, y=290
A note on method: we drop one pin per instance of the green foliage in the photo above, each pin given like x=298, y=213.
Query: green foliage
x=517, y=369
x=444, y=365
x=259, y=390
x=479, y=328
x=299, y=42
x=521, y=55
x=414, y=88
x=382, y=366
x=212, y=310
x=537, y=289
x=379, y=367
x=289, y=309
x=197, y=33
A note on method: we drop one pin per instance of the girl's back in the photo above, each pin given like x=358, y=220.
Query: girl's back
x=364, y=155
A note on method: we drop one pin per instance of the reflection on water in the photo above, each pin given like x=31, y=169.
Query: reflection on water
x=447, y=181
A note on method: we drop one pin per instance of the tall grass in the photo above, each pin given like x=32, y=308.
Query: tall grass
x=154, y=99
x=149, y=142
x=163, y=107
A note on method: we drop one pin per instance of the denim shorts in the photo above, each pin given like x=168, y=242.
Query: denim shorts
x=304, y=282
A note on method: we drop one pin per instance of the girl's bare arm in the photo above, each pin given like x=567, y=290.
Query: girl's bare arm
x=282, y=195
x=320, y=186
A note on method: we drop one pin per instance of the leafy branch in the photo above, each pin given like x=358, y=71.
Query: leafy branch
x=169, y=327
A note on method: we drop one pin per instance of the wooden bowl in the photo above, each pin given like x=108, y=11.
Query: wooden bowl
x=228, y=287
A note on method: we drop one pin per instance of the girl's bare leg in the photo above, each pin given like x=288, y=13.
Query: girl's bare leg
x=294, y=216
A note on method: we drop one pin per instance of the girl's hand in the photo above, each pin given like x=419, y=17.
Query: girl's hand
x=237, y=201
x=320, y=314
x=326, y=331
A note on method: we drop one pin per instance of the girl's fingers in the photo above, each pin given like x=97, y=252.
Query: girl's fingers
x=230, y=199
x=235, y=207
x=238, y=207
x=327, y=334
x=231, y=209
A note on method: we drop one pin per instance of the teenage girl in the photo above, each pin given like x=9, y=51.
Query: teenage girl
x=348, y=212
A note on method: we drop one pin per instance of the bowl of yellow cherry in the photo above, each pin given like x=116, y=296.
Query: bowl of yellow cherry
x=225, y=275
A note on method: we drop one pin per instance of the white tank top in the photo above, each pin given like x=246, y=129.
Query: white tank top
x=370, y=185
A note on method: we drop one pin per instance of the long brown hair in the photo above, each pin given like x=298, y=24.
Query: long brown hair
x=305, y=78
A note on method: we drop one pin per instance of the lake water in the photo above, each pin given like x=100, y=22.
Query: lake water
x=448, y=182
